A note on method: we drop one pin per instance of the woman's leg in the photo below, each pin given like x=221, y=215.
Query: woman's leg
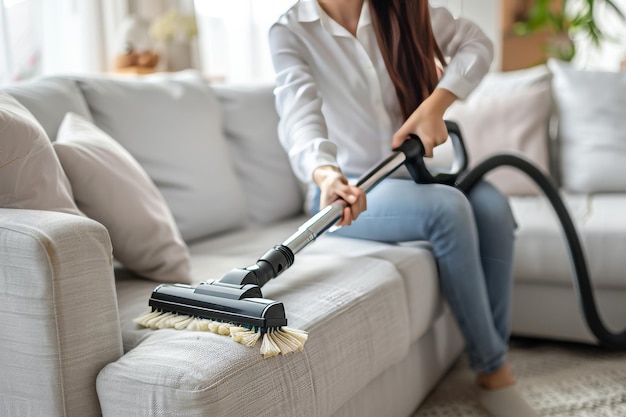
x=400, y=210
x=496, y=230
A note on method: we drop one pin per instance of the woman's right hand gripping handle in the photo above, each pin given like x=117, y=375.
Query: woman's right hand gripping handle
x=333, y=186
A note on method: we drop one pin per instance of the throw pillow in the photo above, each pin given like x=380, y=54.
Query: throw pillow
x=591, y=107
x=514, y=121
x=172, y=126
x=31, y=176
x=112, y=188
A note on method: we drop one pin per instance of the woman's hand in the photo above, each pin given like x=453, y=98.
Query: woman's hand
x=334, y=185
x=427, y=122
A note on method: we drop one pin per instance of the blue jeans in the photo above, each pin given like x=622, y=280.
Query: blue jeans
x=472, y=240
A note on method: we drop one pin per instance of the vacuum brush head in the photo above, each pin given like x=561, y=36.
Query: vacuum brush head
x=221, y=309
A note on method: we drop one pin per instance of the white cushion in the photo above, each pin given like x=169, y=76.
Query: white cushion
x=32, y=177
x=498, y=82
x=172, y=126
x=357, y=317
x=592, y=128
x=250, y=125
x=541, y=254
x=511, y=119
x=49, y=98
x=111, y=187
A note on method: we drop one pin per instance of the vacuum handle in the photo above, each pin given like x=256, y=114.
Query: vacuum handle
x=329, y=215
x=411, y=154
x=420, y=173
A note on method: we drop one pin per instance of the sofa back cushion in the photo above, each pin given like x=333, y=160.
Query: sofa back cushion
x=172, y=126
x=592, y=128
x=31, y=176
x=509, y=112
x=250, y=124
x=49, y=99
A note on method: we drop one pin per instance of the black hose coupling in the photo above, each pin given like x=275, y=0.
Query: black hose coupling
x=269, y=266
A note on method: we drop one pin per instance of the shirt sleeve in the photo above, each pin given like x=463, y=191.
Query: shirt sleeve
x=470, y=51
x=302, y=129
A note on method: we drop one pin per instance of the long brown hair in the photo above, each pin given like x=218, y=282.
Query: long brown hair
x=407, y=43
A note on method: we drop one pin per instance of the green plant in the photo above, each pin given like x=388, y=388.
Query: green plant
x=563, y=22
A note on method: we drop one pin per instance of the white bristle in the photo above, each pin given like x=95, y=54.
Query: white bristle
x=282, y=340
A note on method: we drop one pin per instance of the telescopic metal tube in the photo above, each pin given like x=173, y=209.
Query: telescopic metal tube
x=331, y=214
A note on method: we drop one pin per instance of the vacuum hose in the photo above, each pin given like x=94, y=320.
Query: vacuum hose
x=583, y=287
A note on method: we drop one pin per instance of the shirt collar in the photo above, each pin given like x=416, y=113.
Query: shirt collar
x=310, y=11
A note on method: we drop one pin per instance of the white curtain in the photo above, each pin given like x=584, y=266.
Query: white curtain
x=20, y=34
x=5, y=63
x=79, y=35
x=232, y=38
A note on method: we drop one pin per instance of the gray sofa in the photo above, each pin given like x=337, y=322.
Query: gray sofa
x=380, y=336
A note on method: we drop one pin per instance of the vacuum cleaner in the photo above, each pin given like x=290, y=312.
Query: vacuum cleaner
x=234, y=305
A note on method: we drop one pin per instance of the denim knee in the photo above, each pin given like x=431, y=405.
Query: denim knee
x=489, y=203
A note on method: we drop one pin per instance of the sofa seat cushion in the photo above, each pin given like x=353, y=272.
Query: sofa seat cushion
x=356, y=314
x=541, y=252
x=414, y=261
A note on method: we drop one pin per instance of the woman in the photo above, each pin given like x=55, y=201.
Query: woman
x=354, y=79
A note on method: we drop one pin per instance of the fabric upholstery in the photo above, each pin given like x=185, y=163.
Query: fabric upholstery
x=60, y=321
x=554, y=312
x=32, y=176
x=49, y=99
x=541, y=252
x=250, y=125
x=357, y=318
x=592, y=128
x=412, y=259
x=172, y=126
x=111, y=187
x=511, y=120
x=380, y=335
x=407, y=383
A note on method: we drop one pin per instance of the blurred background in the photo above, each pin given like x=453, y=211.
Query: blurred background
x=227, y=40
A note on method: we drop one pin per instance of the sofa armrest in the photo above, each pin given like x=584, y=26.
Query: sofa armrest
x=59, y=313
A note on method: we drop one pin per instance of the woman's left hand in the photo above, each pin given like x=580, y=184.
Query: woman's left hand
x=427, y=122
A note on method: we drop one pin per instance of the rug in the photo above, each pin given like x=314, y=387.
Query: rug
x=557, y=379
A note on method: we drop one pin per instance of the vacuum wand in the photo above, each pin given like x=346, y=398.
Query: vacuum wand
x=235, y=304
x=281, y=257
x=331, y=214
x=410, y=154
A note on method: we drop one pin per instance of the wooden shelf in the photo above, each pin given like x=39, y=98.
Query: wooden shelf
x=135, y=70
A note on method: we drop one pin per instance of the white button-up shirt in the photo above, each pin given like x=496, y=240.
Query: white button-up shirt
x=336, y=101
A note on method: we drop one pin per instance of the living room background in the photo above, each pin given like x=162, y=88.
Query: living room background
x=230, y=43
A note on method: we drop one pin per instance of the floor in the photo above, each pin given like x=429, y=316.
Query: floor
x=557, y=379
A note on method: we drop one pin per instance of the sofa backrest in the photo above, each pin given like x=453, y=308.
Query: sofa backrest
x=49, y=99
x=250, y=123
x=212, y=151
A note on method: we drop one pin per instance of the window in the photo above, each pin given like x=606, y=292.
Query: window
x=21, y=39
x=233, y=38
